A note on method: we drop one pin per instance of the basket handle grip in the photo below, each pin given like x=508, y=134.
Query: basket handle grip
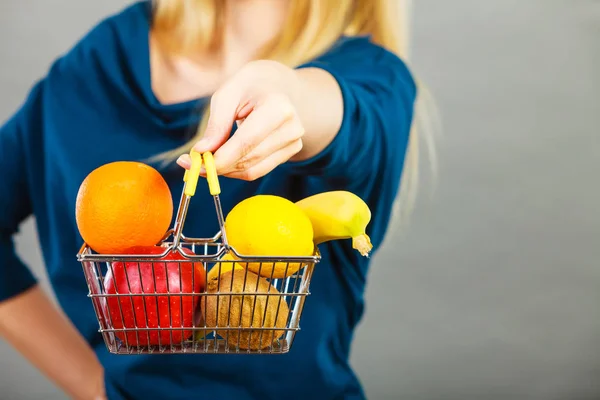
x=190, y=176
x=211, y=174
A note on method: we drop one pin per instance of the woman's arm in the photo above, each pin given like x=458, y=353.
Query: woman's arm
x=282, y=114
x=320, y=106
x=28, y=319
x=42, y=334
x=345, y=114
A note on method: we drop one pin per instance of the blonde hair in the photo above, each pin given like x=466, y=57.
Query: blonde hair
x=311, y=28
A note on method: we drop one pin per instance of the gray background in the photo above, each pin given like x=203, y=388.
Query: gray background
x=494, y=292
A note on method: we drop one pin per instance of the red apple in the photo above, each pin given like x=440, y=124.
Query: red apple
x=152, y=310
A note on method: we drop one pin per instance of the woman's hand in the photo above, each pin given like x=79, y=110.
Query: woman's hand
x=260, y=98
x=63, y=355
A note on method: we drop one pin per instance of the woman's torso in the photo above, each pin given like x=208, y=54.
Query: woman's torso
x=109, y=113
x=74, y=146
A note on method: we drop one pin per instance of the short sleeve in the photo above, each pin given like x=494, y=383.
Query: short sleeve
x=378, y=91
x=15, y=204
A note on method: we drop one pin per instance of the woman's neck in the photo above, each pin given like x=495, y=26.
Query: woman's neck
x=249, y=26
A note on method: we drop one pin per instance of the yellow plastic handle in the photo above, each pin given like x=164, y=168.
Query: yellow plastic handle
x=211, y=174
x=191, y=176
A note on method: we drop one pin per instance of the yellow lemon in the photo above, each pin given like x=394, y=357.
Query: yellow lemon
x=267, y=225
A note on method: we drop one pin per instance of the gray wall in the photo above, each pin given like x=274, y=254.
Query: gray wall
x=494, y=291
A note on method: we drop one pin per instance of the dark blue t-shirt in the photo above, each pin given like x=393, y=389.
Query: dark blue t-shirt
x=96, y=105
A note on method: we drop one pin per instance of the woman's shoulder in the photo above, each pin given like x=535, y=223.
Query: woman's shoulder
x=360, y=49
x=134, y=15
x=123, y=29
x=113, y=50
x=362, y=58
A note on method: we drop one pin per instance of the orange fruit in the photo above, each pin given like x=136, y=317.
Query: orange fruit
x=121, y=205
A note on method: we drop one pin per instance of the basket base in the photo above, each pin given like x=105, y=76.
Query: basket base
x=206, y=346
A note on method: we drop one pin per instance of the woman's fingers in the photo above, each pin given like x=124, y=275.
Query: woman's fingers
x=185, y=161
x=224, y=108
x=287, y=137
x=282, y=137
x=268, y=127
x=266, y=117
x=268, y=164
x=227, y=105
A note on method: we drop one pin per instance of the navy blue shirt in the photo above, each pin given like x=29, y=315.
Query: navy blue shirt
x=96, y=105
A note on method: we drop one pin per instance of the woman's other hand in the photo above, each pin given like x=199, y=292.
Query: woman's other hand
x=259, y=98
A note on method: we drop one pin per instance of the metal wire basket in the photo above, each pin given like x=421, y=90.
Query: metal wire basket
x=191, y=297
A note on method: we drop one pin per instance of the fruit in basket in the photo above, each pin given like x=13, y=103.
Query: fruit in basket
x=246, y=308
x=339, y=215
x=123, y=204
x=226, y=264
x=267, y=225
x=166, y=277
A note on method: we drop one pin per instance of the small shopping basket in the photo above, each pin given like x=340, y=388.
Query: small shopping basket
x=169, y=303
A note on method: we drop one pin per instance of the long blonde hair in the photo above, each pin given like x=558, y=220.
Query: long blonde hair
x=311, y=28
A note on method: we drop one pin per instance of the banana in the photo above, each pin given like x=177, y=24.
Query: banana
x=339, y=215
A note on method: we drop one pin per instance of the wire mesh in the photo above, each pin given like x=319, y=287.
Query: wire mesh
x=189, y=300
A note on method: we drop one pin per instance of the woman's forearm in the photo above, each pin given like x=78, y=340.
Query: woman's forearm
x=320, y=105
x=42, y=334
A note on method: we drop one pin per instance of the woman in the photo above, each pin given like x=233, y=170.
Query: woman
x=328, y=105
